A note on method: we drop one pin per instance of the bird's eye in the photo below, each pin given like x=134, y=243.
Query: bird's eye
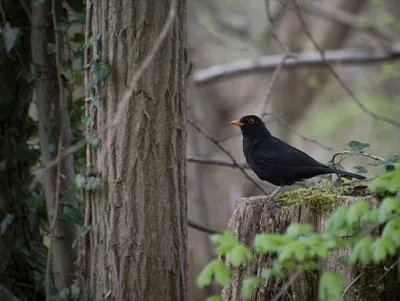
x=251, y=121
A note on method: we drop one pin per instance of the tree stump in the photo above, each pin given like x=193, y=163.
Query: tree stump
x=256, y=215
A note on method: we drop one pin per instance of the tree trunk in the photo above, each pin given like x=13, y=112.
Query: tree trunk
x=258, y=215
x=137, y=248
x=52, y=116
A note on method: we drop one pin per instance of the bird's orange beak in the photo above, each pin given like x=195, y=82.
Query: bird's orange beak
x=237, y=122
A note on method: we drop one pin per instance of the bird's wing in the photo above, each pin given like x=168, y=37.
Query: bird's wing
x=275, y=150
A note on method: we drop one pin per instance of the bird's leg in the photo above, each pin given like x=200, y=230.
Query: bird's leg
x=277, y=189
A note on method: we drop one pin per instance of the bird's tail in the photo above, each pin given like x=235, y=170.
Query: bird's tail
x=346, y=173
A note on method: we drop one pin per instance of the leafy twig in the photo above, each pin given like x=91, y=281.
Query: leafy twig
x=349, y=286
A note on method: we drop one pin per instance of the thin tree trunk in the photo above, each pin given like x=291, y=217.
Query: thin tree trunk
x=52, y=115
x=137, y=248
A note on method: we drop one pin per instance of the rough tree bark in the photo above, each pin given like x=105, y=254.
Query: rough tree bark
x=137, y=248
x=52, y=116
x=258, y=215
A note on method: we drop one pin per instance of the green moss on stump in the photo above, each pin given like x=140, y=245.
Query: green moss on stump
x=318, y=200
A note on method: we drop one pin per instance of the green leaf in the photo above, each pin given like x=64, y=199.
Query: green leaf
x=295, y=250
x=338, y=220
x=76, y=5
x=205, y=276
x=392, y=230
x=344, y=259
x=3, y=164
x=93, y=40
x=265, y=243
x=64, y=293
x=93, y=183
x=226, y=241
x=96, y=100
x=388, y=207
x=215, y=298
x=51, y=48
x=222, y=273
x=362, y=250
x=330, y=286
x=216, y=268
x=249, y=285
x=70, y=213
x=296, y=230
x=8, y=219
x=361, y=169
x=382, y=247
x=75, y=290
x=80, y=181
x=271, y=272
x=95, y=143
x=389, y=181
x=63, y=27
x=11, y=36
x=356, y=212
x=78, y=38
x=357, y=145
x=78, y=77
x=239, y=254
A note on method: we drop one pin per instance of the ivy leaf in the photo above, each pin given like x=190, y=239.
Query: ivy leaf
x=11, y=36
x=51, y=48
x=8, y=219
x=93, y=183
x=70, y=213
x=249, y=285
x=75, y=290
x=357, y=145
x=80, y=181
x=344, y=259
x=94, y=143
x=330, y=286
x=93, y=40
x=78, y=38
x=3, y=164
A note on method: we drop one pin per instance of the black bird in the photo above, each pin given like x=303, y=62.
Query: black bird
x=275, y=161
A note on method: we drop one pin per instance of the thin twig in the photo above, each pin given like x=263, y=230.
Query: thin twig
x=349, y=286
x=320, y=10
x=303, y=59
x=361, y=153
x=272, y=30
x=225, y=151
x=272, y=82
x=336, y=75
x=27, y=9
x=216, y=162
x=286, y=124
x=285, y=287
x=53, y=221
x=202, y=228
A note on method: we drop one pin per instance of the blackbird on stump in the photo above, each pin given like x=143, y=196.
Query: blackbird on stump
x=275, y=161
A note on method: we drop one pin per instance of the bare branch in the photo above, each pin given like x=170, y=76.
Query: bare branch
x=217, y=162
x=303, y=59
x=225, y=151
x=349, y=286
x=202, y=228
x=285, y=287
x=336, y=75
x=320, y=10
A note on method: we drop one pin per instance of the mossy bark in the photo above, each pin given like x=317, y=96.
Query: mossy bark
x=258, y=215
